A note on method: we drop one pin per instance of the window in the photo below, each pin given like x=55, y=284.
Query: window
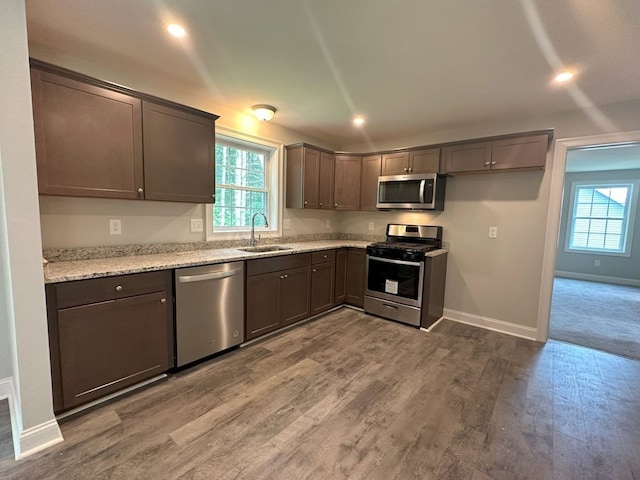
x=601, y=217
x=246, y=184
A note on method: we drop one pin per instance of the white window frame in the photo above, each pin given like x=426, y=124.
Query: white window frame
x=274, y=182
x=629, y=224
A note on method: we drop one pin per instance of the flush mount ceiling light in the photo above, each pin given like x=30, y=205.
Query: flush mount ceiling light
x=358, y=121
x=563, y=77
x=264, y=112
x=176, y=30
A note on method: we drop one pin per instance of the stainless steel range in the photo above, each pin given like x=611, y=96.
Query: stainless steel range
x=403, y=282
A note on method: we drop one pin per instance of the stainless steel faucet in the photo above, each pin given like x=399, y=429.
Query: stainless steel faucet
x=252, y=241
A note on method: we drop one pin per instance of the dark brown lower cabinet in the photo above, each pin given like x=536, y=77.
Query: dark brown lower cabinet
x=278, y=293
x=340, y=293
x=356, y=265
x=107, y=334
x=322, y=281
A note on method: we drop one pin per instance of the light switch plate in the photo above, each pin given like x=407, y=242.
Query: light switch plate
x=328, y=223
x=493, y=232
x=196, y=225
x=286, y=223
x=371, y=225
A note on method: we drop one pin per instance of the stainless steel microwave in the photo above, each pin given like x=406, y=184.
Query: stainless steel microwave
x=416, y=191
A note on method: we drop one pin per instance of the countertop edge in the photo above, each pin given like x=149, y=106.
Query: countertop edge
x=67, y=271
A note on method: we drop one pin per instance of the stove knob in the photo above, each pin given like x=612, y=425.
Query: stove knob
x=405, y=256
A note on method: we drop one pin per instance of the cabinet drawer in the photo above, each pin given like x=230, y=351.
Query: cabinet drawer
x=275, y=264
x=323, y=256
x=83, y=292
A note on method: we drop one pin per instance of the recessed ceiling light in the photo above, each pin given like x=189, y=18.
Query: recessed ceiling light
x=358, y=121
x=176, y=30
x=563, y=77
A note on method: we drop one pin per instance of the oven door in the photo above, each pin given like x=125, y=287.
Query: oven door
x=395, y=280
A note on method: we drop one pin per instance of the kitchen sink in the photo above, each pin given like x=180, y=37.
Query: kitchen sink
x=264, y=248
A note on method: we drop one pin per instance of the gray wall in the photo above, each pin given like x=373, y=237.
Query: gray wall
x=24, y=315
x=584, y=263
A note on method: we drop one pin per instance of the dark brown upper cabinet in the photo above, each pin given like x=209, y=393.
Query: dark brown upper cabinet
x=178, y=155
x=325, y=181
x=412, y=161
x=347, y=182
x=88, y=138
x=509, y=153
x=96, y=139
x=303, y=177
x=369, y=184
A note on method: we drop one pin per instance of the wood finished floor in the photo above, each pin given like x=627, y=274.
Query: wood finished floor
x=350, y=396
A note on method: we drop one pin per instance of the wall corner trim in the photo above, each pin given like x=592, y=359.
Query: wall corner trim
x=487, y=323
x=38, y=438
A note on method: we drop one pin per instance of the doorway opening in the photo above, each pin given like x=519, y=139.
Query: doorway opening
x=594, y=279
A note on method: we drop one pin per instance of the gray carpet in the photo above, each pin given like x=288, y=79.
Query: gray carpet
x=596, y=315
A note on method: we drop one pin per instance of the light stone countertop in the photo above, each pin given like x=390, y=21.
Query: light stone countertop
x=66, y=271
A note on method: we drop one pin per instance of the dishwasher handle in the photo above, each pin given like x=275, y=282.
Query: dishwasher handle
x=209, y=276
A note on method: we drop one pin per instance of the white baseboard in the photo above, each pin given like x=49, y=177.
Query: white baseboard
x=491, y=324
x=599, y=278
x=7, y=390
x=34, y=439
x=40, y=437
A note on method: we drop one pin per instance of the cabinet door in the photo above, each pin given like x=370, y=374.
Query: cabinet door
x=325, y=190
x=107, y=346
x=520, y=152
x=395, y=163
x=88, y=138
x=340, y=294
x=371, y=166
x=424, y=161
x=179, y=164
x=356, y=259
x=311, y=179
x=347, y=184
x=469, y=157
x=262, y=304
x=294, y=294
x=322, y=287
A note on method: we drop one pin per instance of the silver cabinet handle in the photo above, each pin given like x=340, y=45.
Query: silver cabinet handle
x=335, y=204
x=140, y=190
x=305, y=202
x=493, y=163
x=284, y=276
x=314, y=270
x=321, y=203
x=163, y=300
x=118, y=288
x=410, y=170
x=486, y=164
x=325, y=256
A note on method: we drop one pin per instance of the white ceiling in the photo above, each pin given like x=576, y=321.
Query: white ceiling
x=408, y=66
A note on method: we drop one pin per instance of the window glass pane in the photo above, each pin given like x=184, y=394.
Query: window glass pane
x=241, y=185
x=600, y=217
x=614, y=227
x=583, y=210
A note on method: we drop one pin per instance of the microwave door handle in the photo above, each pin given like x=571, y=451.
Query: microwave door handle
x=422, y=185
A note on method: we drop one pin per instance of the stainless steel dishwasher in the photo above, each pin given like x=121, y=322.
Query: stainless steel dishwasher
x=209, y=310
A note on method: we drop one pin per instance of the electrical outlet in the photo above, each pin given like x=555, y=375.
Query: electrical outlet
x=286, y=223
x=196, y=225
x=328, y=223
x=115, y=226
x=493, y=232
x=371, y=225
x=596, y=263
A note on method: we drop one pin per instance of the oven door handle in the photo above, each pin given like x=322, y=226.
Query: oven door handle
x=399, y=262
x=422, y=185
